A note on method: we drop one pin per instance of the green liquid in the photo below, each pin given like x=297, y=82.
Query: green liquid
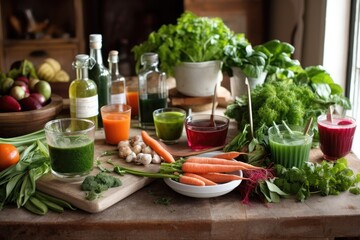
x=169, y=125
x=290, y=150
x=75, y=158
x=81, y=88
x=101, y=77
x=147, y=107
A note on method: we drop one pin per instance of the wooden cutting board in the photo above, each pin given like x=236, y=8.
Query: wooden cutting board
x=71, y=192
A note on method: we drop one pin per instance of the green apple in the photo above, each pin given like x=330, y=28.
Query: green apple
x=44, y=88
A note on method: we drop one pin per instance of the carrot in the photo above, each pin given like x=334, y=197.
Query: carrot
x=205, y=180
x=191, y=181
x=155, y=145
x=221, y=177
x=228, y=155
x=207, y=160
x=206, y=167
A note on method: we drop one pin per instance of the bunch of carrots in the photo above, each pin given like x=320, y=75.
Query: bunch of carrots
x=194, y=170
x=207, y=171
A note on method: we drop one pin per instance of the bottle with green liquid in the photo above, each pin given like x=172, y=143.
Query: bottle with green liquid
x=83, y=91
x=152, y=89
x=100, y=74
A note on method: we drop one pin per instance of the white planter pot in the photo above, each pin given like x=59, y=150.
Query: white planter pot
x=198, y=79
x=238, y=87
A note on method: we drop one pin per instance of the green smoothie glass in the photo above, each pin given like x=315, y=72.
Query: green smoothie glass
x=71, y=147
x=169, y=124
x=289, y=149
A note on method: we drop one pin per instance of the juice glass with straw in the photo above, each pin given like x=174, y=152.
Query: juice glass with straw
x=290, y=146
x=336, y=135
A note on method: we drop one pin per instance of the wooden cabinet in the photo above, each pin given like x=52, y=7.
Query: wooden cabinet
x=57, y=31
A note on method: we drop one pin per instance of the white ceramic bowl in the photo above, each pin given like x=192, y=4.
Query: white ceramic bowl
x=206, y=191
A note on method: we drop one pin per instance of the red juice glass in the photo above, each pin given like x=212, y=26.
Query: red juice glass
x=336, y=136
x=201, y=134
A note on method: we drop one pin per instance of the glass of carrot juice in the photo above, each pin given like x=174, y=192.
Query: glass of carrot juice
x=116, y=120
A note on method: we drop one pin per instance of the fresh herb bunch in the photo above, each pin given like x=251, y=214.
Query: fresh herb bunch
x=191, y=39
x=17, y=182
x=325, y=178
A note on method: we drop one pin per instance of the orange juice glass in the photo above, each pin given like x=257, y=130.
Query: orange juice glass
x=132, y=99
x=116, y=120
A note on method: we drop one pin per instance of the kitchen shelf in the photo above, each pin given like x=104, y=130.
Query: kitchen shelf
x=61, y=39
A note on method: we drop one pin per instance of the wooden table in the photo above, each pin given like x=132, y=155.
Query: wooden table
x=225, y=217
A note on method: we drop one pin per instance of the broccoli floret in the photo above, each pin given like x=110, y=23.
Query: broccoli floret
x=107, y=180
x=94, y=185
x=89, y=183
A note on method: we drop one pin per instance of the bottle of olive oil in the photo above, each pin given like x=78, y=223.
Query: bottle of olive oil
x=83, y=91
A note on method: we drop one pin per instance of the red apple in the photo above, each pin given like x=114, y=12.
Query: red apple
x=29, y=103
x=39, y=97
x=9, y=104
x=21, y=84
x=23, y=79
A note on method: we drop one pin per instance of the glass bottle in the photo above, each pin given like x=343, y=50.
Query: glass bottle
x=99, y=73
x=117, y=81
x=152, y=89
x=83, y=95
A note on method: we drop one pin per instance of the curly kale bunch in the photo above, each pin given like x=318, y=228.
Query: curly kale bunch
x=273, y=102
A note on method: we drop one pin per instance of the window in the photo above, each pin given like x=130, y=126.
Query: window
x=342, y=53
x=353, y=86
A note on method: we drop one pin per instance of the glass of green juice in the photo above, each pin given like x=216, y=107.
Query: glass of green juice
x=71, y=147
x=169, y=124
x=290, y=149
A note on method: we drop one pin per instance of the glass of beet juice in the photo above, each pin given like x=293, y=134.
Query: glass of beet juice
x=336, y=135
x=203, y=133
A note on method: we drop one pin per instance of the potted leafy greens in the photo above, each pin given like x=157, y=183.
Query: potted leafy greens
x=279, y=62
x=242, y=61
x=194, y=42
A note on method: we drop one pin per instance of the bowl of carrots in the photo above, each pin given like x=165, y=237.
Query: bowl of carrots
x=219, y=184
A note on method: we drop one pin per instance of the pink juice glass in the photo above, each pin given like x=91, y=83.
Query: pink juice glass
x=336, y=137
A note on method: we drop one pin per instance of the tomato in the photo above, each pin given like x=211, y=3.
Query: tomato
x=9, y=155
